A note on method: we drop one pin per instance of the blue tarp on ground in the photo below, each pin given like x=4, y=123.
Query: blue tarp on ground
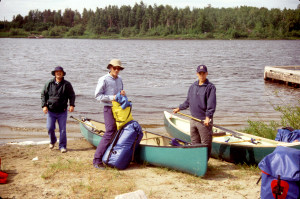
x=283, y=162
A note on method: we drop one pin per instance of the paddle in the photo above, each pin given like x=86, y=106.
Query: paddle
x=234, y=133
x=97, y=130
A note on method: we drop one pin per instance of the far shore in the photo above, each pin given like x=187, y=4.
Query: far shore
x=119, y=37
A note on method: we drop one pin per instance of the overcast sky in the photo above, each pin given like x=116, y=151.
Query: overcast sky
x=9, y=8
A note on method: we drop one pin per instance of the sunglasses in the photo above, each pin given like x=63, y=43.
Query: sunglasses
x=116, y=68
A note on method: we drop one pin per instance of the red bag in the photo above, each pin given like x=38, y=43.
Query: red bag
x=3, y=176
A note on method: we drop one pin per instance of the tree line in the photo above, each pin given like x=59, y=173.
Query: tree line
x=159, y=21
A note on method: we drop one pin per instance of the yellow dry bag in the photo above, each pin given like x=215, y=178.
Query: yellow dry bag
x=122, y=116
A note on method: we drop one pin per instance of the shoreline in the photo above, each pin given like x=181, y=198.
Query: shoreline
x=34, y=171
x=171, y=37
x=13, y=134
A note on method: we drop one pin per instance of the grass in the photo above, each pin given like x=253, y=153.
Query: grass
x=290, y=117
x=62, y=165
x=108, y=183
x=235, y=187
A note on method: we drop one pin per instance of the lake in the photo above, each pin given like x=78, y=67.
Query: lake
x=156, y=78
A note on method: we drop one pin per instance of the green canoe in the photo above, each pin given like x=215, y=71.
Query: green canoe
x=156, y=149
x=237, y=148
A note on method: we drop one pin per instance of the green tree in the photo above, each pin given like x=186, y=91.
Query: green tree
x=68, y=17
x=57, y=18
x=18, y=21
x=77, y=18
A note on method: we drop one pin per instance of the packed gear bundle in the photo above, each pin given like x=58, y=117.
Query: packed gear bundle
x=120, y=152
x=281, y=174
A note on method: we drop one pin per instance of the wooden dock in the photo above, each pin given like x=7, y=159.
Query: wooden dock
x=289, y=75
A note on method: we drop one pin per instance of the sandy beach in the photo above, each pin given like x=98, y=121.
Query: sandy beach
x=35, y=171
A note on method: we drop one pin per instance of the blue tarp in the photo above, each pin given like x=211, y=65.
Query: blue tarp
x=285, y=135
x=284, y=161
x=281, y=174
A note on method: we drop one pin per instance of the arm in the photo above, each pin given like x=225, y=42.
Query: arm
x=44, y=98
x=71, y=96
x=211, y=102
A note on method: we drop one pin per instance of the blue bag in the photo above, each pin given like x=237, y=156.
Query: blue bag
x=281, y=174
x=287, y=135
x=120, y=152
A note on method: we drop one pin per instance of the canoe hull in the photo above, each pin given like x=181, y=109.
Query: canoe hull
x=235, y=153
x=177, y=158
x=240, y=154
x=182, y=158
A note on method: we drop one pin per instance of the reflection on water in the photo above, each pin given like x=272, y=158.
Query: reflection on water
x=156, y=77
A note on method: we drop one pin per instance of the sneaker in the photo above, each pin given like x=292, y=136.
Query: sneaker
x=51, y=146
x=63, y=150
x=99, y=166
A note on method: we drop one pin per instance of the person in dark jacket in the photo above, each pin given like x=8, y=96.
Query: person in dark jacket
x=55, y=96
x=202, y=102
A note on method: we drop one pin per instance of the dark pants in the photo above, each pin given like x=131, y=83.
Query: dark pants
x=201, y=134
x=110, y=129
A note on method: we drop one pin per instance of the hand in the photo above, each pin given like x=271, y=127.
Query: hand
x=71, y=109
x=45, y=109
x=176, y=110
x=123, y=92
x=206, y=121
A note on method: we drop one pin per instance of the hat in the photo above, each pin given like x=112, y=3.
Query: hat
x=201, y=68
x=58, y=68
x=115, y=62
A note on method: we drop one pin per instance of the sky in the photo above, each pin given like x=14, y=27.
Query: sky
x=10, y=8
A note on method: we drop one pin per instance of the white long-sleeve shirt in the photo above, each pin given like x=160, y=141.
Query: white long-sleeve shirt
x=107, y=87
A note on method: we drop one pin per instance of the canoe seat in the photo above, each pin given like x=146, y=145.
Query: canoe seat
x=153, y=140
x=219, y=134
x=253, y=141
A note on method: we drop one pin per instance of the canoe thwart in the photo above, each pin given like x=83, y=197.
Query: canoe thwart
x=219, y=134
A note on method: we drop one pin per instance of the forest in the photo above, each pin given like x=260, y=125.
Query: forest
x=157, y=21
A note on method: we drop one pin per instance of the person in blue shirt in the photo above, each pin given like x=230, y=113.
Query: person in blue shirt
x=107, y=88
x=202, y=102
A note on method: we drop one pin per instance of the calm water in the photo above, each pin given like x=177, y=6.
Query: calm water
x=156, y=77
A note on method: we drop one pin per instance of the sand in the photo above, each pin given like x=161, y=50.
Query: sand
x=33, y=174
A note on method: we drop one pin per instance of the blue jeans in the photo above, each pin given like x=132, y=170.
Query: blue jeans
x=111, y=128
x=62, y=123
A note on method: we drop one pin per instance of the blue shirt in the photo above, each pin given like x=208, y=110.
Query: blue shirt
x=107, y=87
x=201, y=100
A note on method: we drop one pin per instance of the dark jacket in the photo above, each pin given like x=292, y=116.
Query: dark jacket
x=55, y=96
x=201, y=100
